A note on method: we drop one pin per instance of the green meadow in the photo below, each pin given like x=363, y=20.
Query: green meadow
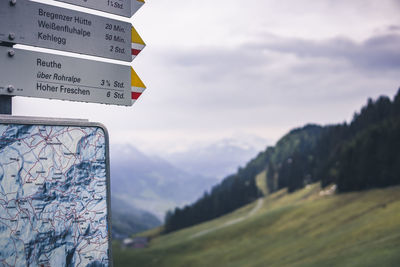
x=304, y=228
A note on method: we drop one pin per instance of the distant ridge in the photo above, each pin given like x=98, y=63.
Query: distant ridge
x=150, y=183
x=128, y=220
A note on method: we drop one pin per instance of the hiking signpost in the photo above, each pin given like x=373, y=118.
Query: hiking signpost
x=55, y=172
x=41, y=25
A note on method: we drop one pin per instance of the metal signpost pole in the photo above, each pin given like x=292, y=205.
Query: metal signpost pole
x=5, y=100
x=5, y=105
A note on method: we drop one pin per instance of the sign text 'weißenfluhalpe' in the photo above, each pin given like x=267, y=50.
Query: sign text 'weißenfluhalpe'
x=37, y=24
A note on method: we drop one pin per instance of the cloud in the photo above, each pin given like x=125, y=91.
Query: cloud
x=378, y=53
x=393, y=28
x=256, y=67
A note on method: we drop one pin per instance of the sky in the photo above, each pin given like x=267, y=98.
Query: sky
x=230, y=68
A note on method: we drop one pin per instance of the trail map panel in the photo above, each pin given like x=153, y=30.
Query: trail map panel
x=126, y=8
x=36, y=24
x=54, y=191
x=42, y=75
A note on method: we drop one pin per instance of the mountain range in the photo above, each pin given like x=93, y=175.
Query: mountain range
x=218, y=159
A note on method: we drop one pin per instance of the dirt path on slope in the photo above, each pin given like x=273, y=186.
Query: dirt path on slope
x=258, y=206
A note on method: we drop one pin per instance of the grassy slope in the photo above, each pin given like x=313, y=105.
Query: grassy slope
x=299, y=229
x=261, y=182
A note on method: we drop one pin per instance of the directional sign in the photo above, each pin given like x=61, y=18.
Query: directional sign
x=36, y=24
x=124, y=8
x=42, y=75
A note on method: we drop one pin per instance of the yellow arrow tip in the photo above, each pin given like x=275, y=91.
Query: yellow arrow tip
x=135, y=80
x=136, y=37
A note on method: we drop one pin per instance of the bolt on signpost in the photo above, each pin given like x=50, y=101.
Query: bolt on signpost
x=55, y=185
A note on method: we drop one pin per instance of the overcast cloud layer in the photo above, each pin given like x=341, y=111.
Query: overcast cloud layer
x=218, y=68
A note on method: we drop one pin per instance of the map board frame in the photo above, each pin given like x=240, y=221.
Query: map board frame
x=38, y=121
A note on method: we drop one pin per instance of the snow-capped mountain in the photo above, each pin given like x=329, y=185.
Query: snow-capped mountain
x=219, y=159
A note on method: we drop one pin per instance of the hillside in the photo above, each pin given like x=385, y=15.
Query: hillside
x=303, y=228
x=359, y=155
x=128, y=220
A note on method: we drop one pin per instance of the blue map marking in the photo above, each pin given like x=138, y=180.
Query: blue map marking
x=53, y=196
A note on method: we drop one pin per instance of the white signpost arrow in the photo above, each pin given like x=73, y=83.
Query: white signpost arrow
x=42, y=75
